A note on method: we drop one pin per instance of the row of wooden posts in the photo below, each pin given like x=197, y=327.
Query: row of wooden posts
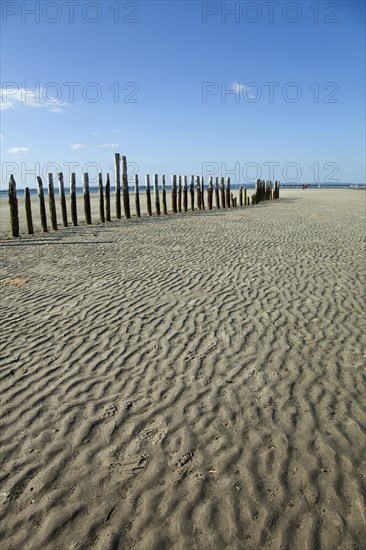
x=224, y=198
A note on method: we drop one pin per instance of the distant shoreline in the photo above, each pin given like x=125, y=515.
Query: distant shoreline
x=142, y=189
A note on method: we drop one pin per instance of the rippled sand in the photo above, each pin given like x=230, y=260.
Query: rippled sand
x=189, y=382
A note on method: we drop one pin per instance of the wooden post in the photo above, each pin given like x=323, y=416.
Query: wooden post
x=198, y=191
x=62, y=199
x=117, y=179
x=165, y=208
x=101, y=198
x=202, y=193
x=156, y=194
x=28, y=211
x=257, y=191
x=125, y=192
x=209, y=193
x=232, y=202
x=148, y=194
x=254, y=199
x=137, y=197
x=42, y=206
x=74, y=215
x=245, y=197
x=174, y=194
x=217, y=194
x=241, y=196
x=222, y=192
x=51, y=200
x=13, y=204
x=108, y=199
x=86, y=194
x=191, y=192
x=248, y=204
x=179, y=193
x=185, y=194
x=276, y=192
x=228, y=195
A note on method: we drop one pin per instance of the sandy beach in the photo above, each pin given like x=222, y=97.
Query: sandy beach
x=194, y=381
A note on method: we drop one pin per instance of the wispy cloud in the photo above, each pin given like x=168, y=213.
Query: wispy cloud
x=76, y=146
x=12, y=97
x=117, y=132
x=239, y=88
x=107, y=145
x=18, y=150
x=95, y=133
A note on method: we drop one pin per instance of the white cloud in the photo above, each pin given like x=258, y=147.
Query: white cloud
x=38, y=97
x=76, y=146
x=17, y=150
x=117, y=132
x=95, y=133
x=109, y=145
x=239, y=88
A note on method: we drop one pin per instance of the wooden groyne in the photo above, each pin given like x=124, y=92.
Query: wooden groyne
x=220, y=196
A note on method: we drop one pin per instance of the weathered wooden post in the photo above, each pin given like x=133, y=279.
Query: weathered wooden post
x=51, y=201
x=101, y=198
x=137, y=196
x=117, y=179
x=241, y=195
x=86, y=194
x=209, y=193
x=217, y=194
x=74, y=215
x=28, y=211
x=42, y=206
x=232, y=202
x=265, y=190
x=156, y=194
x=202, y=193
x=222, y=192
x=61, y=188
x=185, y=194
x=276, y=192
x=108, y=199
x=174, y=194
x=198, y=191
x=13, y=204
x=179, y=193
x=248, y=204
x=125, y=191
x=257, y=191
x=148, y=194
x=191, y=192
x=254, y=199
x=165, y=208
x=245, y=196
x=228, y=193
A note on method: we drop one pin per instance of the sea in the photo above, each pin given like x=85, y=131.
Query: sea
x=250, y=185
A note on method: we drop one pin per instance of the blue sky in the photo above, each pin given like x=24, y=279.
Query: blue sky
x=149, y=81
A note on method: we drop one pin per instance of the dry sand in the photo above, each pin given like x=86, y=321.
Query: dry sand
x=188, y=382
